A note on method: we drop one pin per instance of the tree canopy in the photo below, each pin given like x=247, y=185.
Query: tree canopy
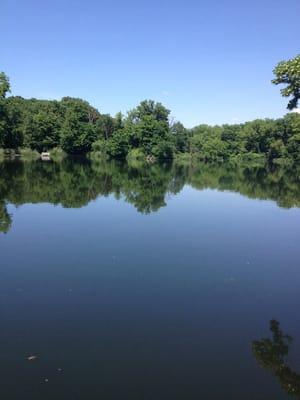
x=288, y=73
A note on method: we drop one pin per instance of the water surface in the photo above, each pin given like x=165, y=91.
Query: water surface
x=156, y=282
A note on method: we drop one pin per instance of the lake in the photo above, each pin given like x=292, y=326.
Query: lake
x=149, y=282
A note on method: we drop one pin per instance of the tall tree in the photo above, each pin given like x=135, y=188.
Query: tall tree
x=288, y=73
x=148, y=125
x=76, y=136
x=149, y=108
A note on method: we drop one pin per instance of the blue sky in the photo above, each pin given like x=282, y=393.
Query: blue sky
x=207, y=61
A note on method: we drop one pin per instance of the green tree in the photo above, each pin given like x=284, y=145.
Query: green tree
x=277, y=150
x=42, y=130
x=105, y=126
x=118, y=145
x=79, y=128
x=76, y=136
x=181, y=137
x=149, y=132
x=148, y=127
x=288, y=73
x=4, y=85
x=290, y=125
x=149, y=108
x=119, y=121
x=11, y=135
x=232, y=138
x=4, y=88
x=257, y=135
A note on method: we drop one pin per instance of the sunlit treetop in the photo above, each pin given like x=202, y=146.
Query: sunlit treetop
x=288, y=73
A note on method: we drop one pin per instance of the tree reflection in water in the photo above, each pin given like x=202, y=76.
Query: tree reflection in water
x=272, y=355
x=75, y=182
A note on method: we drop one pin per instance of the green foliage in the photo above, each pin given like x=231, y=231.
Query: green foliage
x=292, y=135
x=288, y=73
x=84, y=112
x=277, y=149
x=149, y=108
x=77, y=137
x=11, y=135
x=100, y=146
x=29, y=154
x=4, y=85
x=181, y=137
x=119, y=121
x=42, y=130
x=78, y=128
x=266, y=139
x=163, y=150
x=149, y=132
x=105, y=126
x=183, y=158
x=148, y=129
x=118, y=145
x=207, y=144
x=271, y=354
x=136, y=154
x=57, y=154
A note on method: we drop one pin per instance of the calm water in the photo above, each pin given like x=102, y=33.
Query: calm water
x=148, y=282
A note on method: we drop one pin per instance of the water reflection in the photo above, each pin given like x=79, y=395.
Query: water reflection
x=272, y=353
x=74, y=183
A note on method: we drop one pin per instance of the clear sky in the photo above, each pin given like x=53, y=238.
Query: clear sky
x=208, y=61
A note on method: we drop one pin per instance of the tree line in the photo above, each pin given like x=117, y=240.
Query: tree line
x=147, y=131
